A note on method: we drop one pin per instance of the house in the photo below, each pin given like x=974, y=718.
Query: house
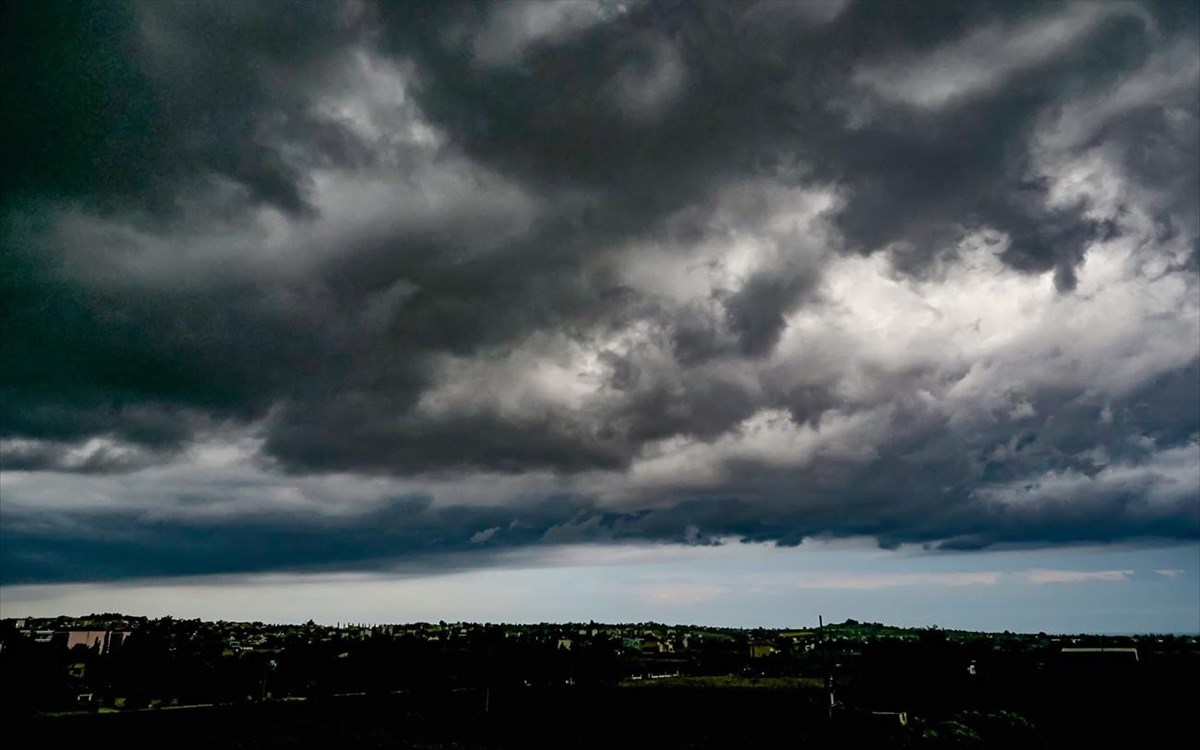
x=44, y=636
x=653, y=646
x=103, y=641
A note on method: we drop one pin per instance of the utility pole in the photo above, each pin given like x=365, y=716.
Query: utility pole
x=487, y=688
x=267, y=669
x=828, y=678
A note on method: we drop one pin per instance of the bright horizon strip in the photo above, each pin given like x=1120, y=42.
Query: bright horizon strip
x=1094, y=587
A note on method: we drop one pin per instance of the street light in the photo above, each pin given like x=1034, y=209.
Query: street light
x=267, y=669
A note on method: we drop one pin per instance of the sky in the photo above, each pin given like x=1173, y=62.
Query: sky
x=731, y=313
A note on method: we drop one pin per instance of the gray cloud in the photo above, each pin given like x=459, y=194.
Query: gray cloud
x=755, y=270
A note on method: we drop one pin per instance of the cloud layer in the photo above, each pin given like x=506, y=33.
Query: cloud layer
x=365, y=283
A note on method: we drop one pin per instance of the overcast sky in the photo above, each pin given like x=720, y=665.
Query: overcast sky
x=726, y=312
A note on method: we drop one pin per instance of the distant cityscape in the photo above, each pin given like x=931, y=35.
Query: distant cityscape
x=630, y=651
x=460, y=684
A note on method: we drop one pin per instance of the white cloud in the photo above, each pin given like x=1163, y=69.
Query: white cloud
x=227, y=470
x=545, y=372
x=991, y=336
x=867, y=581
x=1076, y=576
x=413, y=185
x=513, y=28
x=480, y=537
x=750, y=227
x=1168, y=76
x=769, y=438
x=1166, y=482
x=985, y=58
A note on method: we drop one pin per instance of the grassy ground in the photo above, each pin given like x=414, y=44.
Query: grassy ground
x=727, y=682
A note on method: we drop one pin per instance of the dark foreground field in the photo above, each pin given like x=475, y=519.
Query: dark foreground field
x=660, y=716
x=581, y=718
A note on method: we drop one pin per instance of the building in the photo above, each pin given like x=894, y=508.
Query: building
x=1112, y=655
x=103, y=641
x=653, y=646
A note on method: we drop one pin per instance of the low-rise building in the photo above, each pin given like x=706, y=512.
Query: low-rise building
x=102, y=641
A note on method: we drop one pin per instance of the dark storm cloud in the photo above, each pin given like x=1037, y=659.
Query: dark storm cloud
x=758, y=90
x=128, y=105
x=411, y=534
x=374, y=232
x=113, y=546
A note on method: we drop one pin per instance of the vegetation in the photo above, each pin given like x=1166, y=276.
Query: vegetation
x=555, y=685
